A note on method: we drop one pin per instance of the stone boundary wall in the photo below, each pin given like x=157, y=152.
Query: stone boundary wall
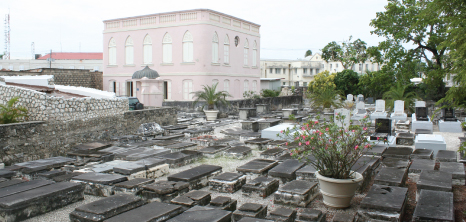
x=66, y=77
x=276, y=103
x=27, y=141
x=42, y=107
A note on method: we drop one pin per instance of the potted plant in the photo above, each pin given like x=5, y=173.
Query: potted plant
x=210, y=95
x=333, y=150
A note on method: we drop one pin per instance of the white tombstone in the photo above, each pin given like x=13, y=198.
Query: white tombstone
x=379, y=110
x=399, y=111
x=360, y=111
x=360, y=105
x=346, y=121
x=360, y=98
x=430, y=141
x=349, y=97
x=420, y=104
x=425, y=125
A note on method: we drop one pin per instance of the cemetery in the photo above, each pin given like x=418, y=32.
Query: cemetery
x=235, y=169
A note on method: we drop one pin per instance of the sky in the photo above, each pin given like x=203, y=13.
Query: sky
x=288, y=28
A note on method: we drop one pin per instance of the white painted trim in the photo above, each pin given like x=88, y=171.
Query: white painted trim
x=187, y=74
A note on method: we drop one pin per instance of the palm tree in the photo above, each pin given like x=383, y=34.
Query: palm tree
x=398, y=92
x=211, y=96
x=326, y=98
x=10, y=114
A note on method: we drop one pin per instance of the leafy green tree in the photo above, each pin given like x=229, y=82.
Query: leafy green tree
x=270, y=93
x=326, y=98
x=400, y=92
x=308, y=53
x=347, y=81
x=10, y=113
x=322, y=81
x=348, y=53
x=374, y=84
x=211, y=96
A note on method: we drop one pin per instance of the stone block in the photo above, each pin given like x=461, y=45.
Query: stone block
x=197, y=177
x=377, y=150
x=164, y=191
x=434, y=206
x=456, y=170
x=273, y=153
x=257, y=167
x=297, y=193
x=92, y=146
x=192, y=198
x=22, y=187
x=286, y=171
x=154, y=211
x=181, y=146
x=250, y=210
x=391, y=176
x=179, y=159
x=128, y=168
x=260, y=187
x=406, y=139
x=446, y=156
x=267, y=123
x=343, y=217
x=434, y=180
x=238, y=152
x=417, y=166
x=311, y=215
x=227, y=182
x=395, y=163
x=398, y=152
x=203, y=214
x=366, y=166
x=276, y=143
x=422, y=154
x=214, y=151
x=169, y=137
x=282, y=215
x=99, y=184
x=307, y=173
x=5, y=173
x=105, y=208
x=7, y=183
x=151, y=153
x=386, y=203
x=430, y=141
x=224, y=203
x=37, y=166
x=258, y=144
x=133, y=186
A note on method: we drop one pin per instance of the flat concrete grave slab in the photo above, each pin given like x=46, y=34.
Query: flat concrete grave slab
x=405, y=138
x=446, y=156
x=21, y=187
x=422, y=154
x=307, y=173
x=164, y=191
x=193, y=198
x=169, y=137
x=343, y=217
x=271, y=132
x=133, y=186
x=224, y=203
x=282, y=214
x=93, y=146
x=203, y=214
x=5, y=173
x=296, y=193
x=238, y=152
x=385, y=203
x=250, y=210
x=430, y=141
x=179, y=159
x=24, y=205
x=418, y=165
x=434, y=180
x=434, y=206
x=180, y=146
x=398, y=152
x=105, y=208
x=258, y=144
x=107, y=167
x=99, y=184
x=276, y=143
x=163, y=143
x=251, y=219
x=267, y=123
x=133, y=167
x=197, y=177
x=311, y=215
x=214, y=151
x=377, y=150
x=366, y=166
x=175, y=127
x=116, y=149
x=257, y=167
x=456, y=170
x=147, y=154
x=195, y=132
x=66, y=177
x=50, y=174
x=130, y=151
x=272, y=153
x=10, y=183
x=286, y=171
x=260, y=187
x=390, y=176
x=227, y=182
x=395, y=163
x=154, y=211
x=44, y=164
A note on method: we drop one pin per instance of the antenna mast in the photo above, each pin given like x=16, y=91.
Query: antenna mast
x=7, y=37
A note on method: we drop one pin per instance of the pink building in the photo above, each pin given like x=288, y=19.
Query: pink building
x=188, y=49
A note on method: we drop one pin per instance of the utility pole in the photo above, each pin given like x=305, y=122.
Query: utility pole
x=265, y=70
x=50, y=59
x=289, y=75
x=7, y=37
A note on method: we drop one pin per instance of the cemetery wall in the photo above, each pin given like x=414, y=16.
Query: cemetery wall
x=276, y=103
x=27, y=141
x=42, y=107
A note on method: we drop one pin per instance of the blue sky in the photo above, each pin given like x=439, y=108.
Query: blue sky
x=288, y=28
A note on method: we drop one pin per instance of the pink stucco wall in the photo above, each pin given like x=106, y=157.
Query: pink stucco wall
x=202, y=71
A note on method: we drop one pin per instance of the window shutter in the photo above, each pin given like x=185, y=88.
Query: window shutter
x=169, y=90
x=110, y=86
x=117, y=88
x=190, y=90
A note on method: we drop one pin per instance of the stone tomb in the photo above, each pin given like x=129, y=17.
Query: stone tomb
x=417, y=166
x=213, y=151
x=7, y=183
x=257, y=167
x=250, y=210
x=434, y=180
x=271, y=133
x=273, y=153
x=227, y=182
x=192, y=198
x=297, y=193
x=154, y=211
x=169, y=137
x=258, y=144
x=286, y=171
x=195, y=132
x=379, y=110
x=456, y=170
x=307, y=173
x=399, y=111
x=245, y=113
x=99, y=184
x=430, y=141
x=262, y=108
x=395, y=163
x=179, y=159
x=423, y=123
x=164, y=191
x=197, y=177
x=383, y=129
x=360, y=111
x=422, y=154
x=260, y=187
x=15, y=188
x=33, y=167
x=402, y=125
x=398, y=152
x=238, y=152
x=149, y=153
x=446, y=156
x=266, y=123
x=8, y=174
x=311, y=215
x=133, y=186
x=366, y=166
x=376, y=150
x=105, y=208
x=276, y=143
x=146, y=168
x=203, y=214
x=434, y=206
x=282, y=215
x=181, y=146
x=24, y=205
x=250, y=125
x=391, y=176
x=385, y=203
x=223, y=203
x=450, y=126
x=106, y=167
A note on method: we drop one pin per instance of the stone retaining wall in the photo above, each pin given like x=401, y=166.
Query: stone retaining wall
x=27, y=141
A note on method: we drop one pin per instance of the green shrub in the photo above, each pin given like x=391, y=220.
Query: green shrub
x=11, y=114
x=270, y=93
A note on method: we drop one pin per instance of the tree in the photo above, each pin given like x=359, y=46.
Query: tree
x=10, y=113
x=374, y=84
x=412, y=21
x=348, y=53
x=308, y=53
x=400, y=92
x=326, y=98
x=322, y=81
x=347, y=81
x=211, y=96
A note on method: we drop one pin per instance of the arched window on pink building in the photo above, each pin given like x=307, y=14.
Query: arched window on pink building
x=129, y=51
x=167, y=48
x=112, y=52
x=188, y=54
x=215, y=48
x=226, y=50
x=254, y=54
x=147, y=50
x=246, y=50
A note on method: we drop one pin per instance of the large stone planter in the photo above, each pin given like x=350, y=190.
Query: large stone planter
x=211, y=114
x=337, y=193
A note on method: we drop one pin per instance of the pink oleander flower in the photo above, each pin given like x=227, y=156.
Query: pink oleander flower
x=286, y=144
x=352, y=131
x=297, y=138
x=330, y=140
x=281, y=131
x=365, y=128
x=302, y=128
x=326, y=129
x=304, y=137
x=316, y=122
x=291, y=154
x=312, y=138
x=299, y=143
x=378, y=138
x=356, y=147
x=346, y=130
x=307, y=142
x=320, y=134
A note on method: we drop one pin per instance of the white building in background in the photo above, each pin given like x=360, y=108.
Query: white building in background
x=302, y=71
x=60, y=60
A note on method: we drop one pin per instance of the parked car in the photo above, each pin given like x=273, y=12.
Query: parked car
x=134, y=103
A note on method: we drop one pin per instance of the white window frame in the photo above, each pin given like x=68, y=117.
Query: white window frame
x=254, y=54
x=188, y=47
x=226, y=85
x=187, y=89
x=246, y=51
x=215, y=48
x=226, y=50
x=129, y=51
x=147, y=50
x=112, y=52
x=254, y=85
x=167, y=50
x=246, y=85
